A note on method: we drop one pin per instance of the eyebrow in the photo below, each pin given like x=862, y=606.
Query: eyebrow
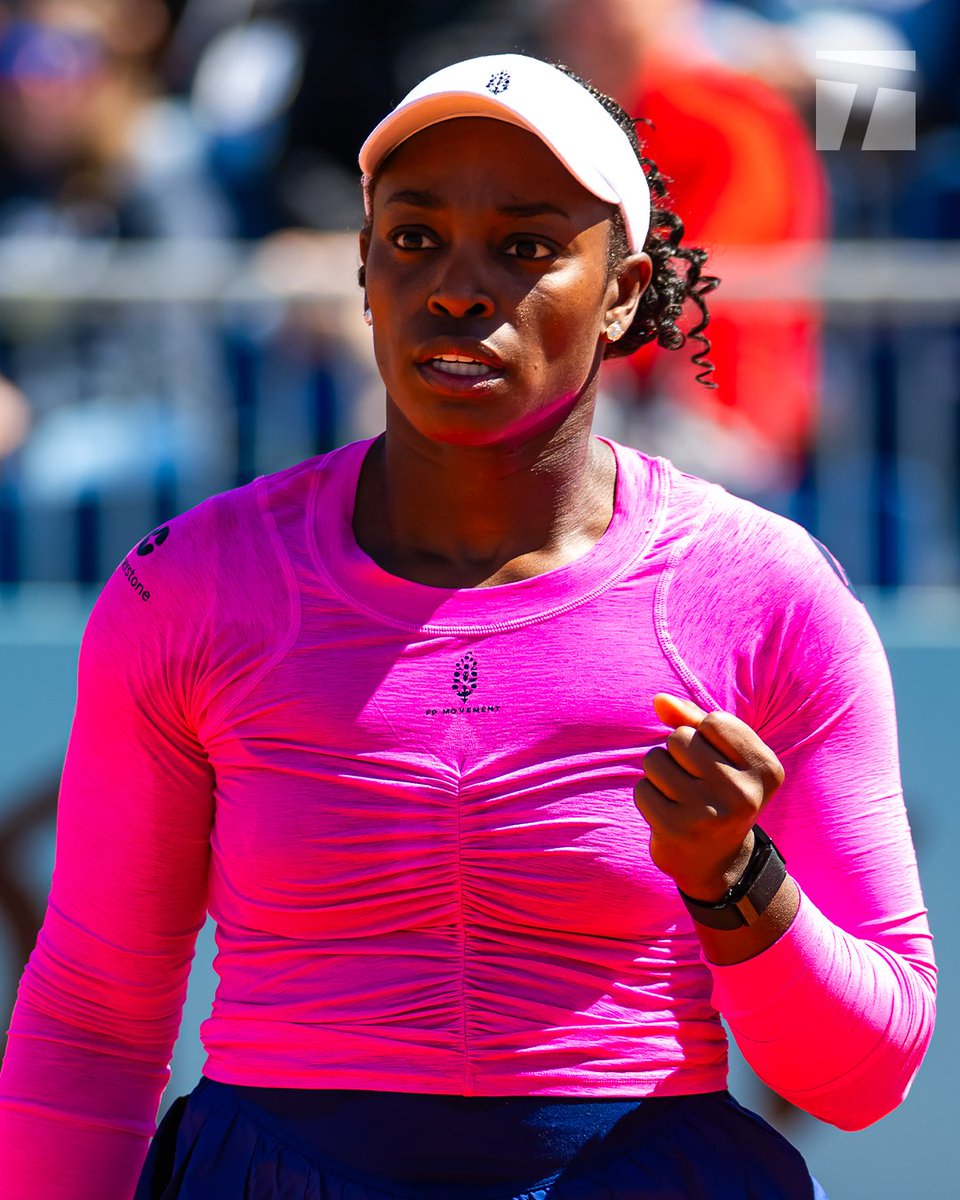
x=418, y=199
x=534, y=210
x=424, y=199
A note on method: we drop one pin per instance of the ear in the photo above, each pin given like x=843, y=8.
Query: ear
x=364, y=246
x=624, y=290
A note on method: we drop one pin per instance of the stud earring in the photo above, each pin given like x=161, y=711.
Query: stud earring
x=368, y=316
x=615, y=332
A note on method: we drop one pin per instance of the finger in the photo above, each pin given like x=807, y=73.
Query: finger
x=709, y=778
x=674, y=711
x=669, y=778
x=669, y=819
x=725, y=732
x=743, y=746
x=685, y=715
x=687, y=747
x=659, y=812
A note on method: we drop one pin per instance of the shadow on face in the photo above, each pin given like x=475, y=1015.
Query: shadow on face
x=479, y=236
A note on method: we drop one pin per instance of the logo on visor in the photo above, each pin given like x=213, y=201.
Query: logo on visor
x=498, y=82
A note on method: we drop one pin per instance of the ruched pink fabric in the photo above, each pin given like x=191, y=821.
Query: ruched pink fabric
x=409, y=810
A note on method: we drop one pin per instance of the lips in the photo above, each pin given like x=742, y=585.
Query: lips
x=448, y=350
x=459, y=363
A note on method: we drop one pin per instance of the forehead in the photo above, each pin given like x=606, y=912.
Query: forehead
x=481, y=159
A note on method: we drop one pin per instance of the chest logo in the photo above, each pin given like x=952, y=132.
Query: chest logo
x=466, y=674
x=465, y=677
x=498, y=82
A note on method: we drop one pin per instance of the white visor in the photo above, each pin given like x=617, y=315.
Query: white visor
x=536, y=96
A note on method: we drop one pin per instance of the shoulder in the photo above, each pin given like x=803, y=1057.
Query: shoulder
x=182, y=558
x=785, y=558
x=210, y=588
x=200, y=569
x=215, y=546
x=753, y=604
x=735, y=541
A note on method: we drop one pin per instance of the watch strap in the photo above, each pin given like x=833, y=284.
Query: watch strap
x=747, y=900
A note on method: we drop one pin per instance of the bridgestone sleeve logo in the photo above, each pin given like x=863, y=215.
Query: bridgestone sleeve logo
x=154, y=539
x=131, y=576
x=150, y=543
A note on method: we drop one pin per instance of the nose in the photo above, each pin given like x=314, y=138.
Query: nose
x=458, y=292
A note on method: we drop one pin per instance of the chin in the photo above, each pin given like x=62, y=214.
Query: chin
x=458, y=421
x=462, y=433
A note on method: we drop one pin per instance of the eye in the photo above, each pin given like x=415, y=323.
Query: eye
x=412, y=239
x=529, y=249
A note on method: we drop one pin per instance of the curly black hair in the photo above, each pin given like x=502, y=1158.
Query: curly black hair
x=661, y=304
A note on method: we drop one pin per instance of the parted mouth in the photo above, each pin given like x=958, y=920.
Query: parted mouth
x=475, y=360
x=458, y=364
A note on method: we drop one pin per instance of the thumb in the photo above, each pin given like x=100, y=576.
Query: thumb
x=674, y=711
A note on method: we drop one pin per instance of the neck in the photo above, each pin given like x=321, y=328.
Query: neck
x=473, y=516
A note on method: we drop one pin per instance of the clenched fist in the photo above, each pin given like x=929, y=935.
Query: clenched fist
x=701, y=795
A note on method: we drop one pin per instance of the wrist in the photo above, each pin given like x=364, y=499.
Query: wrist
x=746, y=900
x=725, y=947
x=710, y=888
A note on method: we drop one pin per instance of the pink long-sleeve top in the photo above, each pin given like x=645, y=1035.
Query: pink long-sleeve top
x=409, y=810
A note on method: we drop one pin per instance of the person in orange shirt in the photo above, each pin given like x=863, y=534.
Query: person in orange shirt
x=744, y=173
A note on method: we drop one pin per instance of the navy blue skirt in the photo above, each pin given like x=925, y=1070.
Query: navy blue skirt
x=224, y=1142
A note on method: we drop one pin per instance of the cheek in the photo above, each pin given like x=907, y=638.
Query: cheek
x=373, y=282
x=397, y=302
x=566, y=324
x=385, y=298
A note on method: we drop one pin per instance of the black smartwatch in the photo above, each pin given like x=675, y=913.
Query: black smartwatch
x=747, y=900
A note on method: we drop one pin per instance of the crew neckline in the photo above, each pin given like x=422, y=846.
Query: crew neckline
x=639, y=497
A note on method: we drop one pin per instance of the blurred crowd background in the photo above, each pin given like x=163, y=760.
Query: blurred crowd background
x=133, y=383
x=222, y=135
x=179, y=201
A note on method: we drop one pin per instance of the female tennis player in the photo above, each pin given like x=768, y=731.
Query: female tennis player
x=485, y=742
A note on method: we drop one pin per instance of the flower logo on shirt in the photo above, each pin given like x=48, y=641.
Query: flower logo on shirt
x=465, y=677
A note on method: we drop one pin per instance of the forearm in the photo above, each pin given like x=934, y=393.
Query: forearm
x=834, y=1023
x=725, y=947
x=834, y=1008
x=86, y=1063
x=74, y=1123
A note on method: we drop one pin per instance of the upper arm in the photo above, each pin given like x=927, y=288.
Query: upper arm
x=128, y=894
x=778, y=637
